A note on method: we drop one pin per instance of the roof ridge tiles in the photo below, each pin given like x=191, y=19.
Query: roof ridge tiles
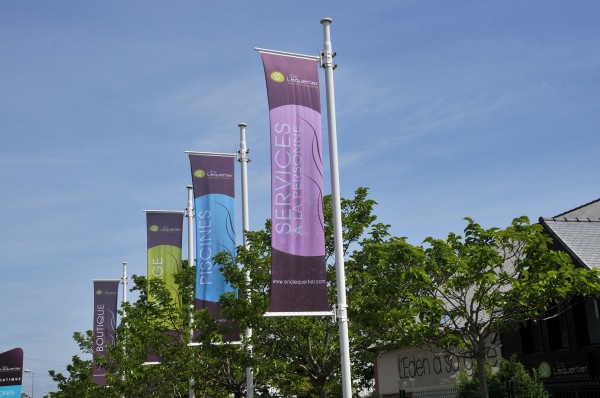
x=577, y=208
x=573, y=219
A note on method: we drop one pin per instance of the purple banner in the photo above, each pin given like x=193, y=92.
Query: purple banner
x=298, y=271
x=11, y=372
x=214, y=204
x=106, y=294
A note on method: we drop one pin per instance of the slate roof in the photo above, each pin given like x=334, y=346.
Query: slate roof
x=578, y=231
x=589, y=210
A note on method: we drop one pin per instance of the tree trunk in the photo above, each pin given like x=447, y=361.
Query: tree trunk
x=483, y=388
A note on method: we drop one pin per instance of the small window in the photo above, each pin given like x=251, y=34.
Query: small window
x=586, y=316
x=558, y=333
x=593, y=320
x=531, y=337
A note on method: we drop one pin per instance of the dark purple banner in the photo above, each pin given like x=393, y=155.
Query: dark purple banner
x=106, y=294
x=11, y=372
x=298, y=271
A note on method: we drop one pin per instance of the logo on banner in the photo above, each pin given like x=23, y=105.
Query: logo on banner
x=164, y=229
x=212, y=174
x=296, y=80
x=100, y=292
x=293, y=79
x=278, y=77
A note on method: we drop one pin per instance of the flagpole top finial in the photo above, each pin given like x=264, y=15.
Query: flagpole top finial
x=326, y=20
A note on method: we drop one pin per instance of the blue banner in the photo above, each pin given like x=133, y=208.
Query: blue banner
x=214, y=204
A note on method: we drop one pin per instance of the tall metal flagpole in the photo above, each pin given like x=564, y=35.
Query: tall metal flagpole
x=191, y=228
x=123, y=305
x=124, y=285
x=243, y=159
x=342, y=314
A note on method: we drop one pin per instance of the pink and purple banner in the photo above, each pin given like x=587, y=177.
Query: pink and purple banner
x=11, y=373
x=106, y=294
x=214, y=207
x=298, y=270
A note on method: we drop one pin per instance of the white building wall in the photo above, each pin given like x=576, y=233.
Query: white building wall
x=414, y=369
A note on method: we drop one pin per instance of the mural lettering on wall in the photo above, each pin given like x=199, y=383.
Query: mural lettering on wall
x=425, y=364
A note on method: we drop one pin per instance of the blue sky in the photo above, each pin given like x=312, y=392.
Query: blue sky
x=444, y=109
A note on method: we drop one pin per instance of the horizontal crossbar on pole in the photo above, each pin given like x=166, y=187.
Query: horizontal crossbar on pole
x=218, y=343
x=211, y=153
x=306, y=313
x=264, y=50
x=165, y=211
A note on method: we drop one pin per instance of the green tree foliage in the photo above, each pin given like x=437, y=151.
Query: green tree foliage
x=450, y=296
x=511, y=375
x=79, y=382
x=300, y=355
x=161, y=328
x=154, y=327
x=290, y=356
x=455, y=295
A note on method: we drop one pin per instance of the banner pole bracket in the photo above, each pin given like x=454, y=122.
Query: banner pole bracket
x=334, y=318
x=326, y=59
x=340, y=313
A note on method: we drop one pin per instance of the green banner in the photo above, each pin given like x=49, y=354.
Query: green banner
x=164, y=231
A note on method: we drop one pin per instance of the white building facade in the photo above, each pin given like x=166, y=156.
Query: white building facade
x=412, y=369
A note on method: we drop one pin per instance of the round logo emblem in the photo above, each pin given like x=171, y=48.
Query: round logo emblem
x=154, y=228
x=544, y=370
x=99, y=292
x=199, y=173
x=278, y=77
